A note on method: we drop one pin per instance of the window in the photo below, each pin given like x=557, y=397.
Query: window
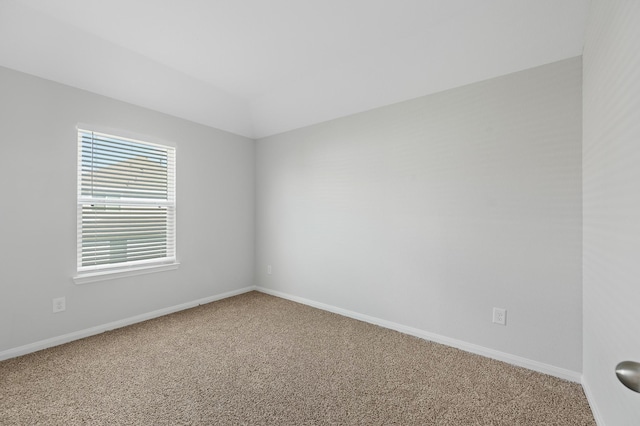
x=126, y=204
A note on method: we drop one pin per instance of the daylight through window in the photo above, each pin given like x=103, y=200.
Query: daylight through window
x=126, y=203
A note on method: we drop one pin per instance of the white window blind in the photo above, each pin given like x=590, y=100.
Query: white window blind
x=126, y=203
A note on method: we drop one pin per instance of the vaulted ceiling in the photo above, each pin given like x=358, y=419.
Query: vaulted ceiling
x=261, y=67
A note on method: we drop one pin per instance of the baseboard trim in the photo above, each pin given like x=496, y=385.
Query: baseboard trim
x=592, y=402
x=562, y=373
x=66, y=338
x=572, y=376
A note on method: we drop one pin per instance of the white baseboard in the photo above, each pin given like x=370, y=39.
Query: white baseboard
x=592, y=402
x=540, y=367
x=65, y=338
x=468, y=347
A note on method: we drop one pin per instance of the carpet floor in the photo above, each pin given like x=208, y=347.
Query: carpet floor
x=255, y=359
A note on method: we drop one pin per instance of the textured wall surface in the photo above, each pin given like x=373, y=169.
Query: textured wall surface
x=611, y=167
x=430, y=212
x=38, y=168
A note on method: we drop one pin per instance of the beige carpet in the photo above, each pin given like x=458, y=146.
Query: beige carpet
x=256, y=359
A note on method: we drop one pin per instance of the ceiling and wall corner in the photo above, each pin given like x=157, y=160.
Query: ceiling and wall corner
x=258, y=68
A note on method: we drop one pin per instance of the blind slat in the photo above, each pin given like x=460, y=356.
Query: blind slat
x=99, y=144
x=111, y=161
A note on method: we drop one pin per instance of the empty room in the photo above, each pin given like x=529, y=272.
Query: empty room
x=374, y=212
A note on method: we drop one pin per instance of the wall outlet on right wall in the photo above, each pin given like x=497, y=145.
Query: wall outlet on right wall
x=500, y=316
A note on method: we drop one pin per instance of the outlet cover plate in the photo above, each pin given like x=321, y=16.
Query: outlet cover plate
x=59, y=304
x=500, y=316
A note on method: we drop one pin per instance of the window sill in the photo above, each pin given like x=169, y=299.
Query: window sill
x=91, y=277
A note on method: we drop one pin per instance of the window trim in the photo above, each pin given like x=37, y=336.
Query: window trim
x=91, y=277
x=86, y=275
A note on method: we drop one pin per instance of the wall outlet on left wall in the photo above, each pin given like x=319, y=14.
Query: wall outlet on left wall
x=500, y=316
x=59, y=304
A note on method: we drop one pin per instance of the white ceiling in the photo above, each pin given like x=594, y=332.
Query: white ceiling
x=261, y=67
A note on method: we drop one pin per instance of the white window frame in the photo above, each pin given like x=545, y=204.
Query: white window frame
x=87, y=274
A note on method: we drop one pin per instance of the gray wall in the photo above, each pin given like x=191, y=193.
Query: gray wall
x=430, y=212
x=611, y=167
x=215, y=212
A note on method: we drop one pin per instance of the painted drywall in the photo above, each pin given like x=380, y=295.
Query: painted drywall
x=38, y=166
x=430, y=212
x=611, y=190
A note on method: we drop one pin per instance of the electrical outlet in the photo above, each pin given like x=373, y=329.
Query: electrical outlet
x=59, y=304
x=500, y=316
x=269, y=269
